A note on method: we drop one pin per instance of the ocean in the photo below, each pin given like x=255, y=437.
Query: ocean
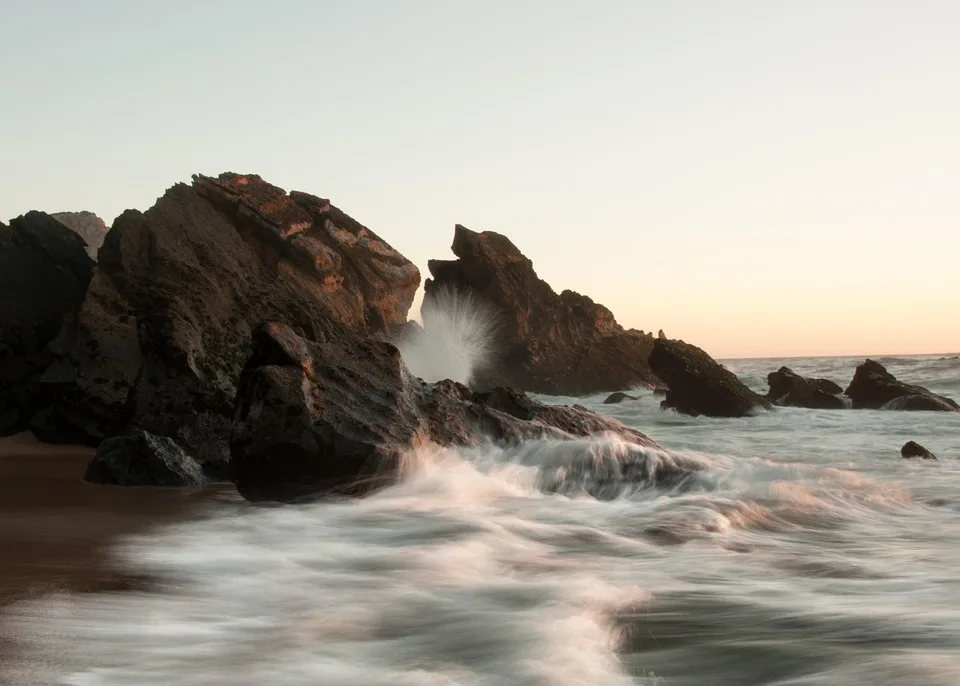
x=807, y=552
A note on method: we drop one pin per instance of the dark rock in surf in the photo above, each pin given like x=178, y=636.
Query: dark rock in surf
x=142, y=459
x=44, y=273
x=87, y=225
x=562, y=344
x=873, y=387
x=336, y=416
x=618, y=397
x=912, y=449
x=164, y=331
x=698, y=384
x=789, y=389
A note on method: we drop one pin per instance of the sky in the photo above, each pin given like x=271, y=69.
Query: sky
x=764, y=178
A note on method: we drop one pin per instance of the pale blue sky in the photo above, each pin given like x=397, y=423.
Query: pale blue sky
x=760, y=178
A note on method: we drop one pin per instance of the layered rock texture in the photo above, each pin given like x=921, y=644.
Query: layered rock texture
x=873, y=387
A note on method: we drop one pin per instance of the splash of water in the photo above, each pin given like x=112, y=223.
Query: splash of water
x=457, y=339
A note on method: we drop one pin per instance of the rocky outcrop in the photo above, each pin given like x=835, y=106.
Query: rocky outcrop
x=618, y=397
x=44, y=273
x=87, y=225
x=873, y=387
x=562, y=344
x=142, y=459
x=698, y=385
x=337, y=415
x=164, y=331
x=912, y=449
x=789, y=389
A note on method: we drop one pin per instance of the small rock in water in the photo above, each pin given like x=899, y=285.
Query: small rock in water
x=912, y=449
x=618, y=397
x=142, y=459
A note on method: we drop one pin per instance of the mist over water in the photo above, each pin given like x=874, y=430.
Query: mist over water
x=799, y=550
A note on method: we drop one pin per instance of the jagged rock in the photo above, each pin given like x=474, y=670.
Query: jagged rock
x=698, y=385
x=873, y=387
x=142, y=459
x=789, y=389
x=911, y=449
x=164, y=330
x=87, y=225
x=562, y=344
x=338, y=414
x=44, y=273
x=618, y=397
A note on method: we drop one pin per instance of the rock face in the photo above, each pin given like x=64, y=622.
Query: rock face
x=338, y=414
x=164, y=331
x=698, y=385
x=44, y=273
x=87, y=225
x=911, y=449
x=142, y=459
x=873, y=387
x=562, y=344
x=789, y=389
x=618, y=397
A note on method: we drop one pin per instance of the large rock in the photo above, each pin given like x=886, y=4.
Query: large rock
x=337, y=415
x=87, y=225
x=562, y=344
x=789, y=389
x=142, y=459
x=699, y=385
x=44, y=273
x=164, y=331
x=873, y=387
x=913, y=449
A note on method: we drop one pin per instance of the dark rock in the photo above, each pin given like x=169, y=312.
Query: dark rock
x=911, y=449
x=164, y=331
x=698, y=385
x=873, y=387
x=562, y=344
x=336, y=416
x=789, y=389
x=87, y=225
x=618, y=397
x=142, y=459
x=44, y=273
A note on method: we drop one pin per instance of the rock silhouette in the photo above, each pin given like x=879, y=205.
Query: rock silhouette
x=873, y=387
x=787, y=388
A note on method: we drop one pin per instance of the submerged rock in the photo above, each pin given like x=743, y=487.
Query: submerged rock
x=789, y=389
x=337, y=415
x=698, y=384
x=88, y=226
x=559, y=344
x=912, y=449
x=142, y=459
x=618, y=397
x=44, y=273
x=873, y=387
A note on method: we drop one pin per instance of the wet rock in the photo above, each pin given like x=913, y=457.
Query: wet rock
x=618, y=397
x=337, y=415
x=873, y=387
x=44, y=273
x=698, y=385
x=164, y=331
x=559, y=344
x=142, y=459
x=912, y=449
x=789, y=389
x=87, y=225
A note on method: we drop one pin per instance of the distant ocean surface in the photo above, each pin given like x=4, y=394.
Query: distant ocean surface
x=807, y=553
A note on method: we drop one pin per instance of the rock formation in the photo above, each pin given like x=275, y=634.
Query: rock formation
x=698, y=385
x=44, y=273
x=562, y=344
x=618, y=397
x=164, y=331
x=142, y=459
x=873, y=387
x=336, y=415
x=789, y=389
x=87, y=225
x=912, y=449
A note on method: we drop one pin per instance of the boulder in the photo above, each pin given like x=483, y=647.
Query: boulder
x=338, y=415
x=558, y=344
x=164, y=331
x=142, y=459
x=873, y=387
x=912, y=449
x=789, y=389
x=87, y=225
x=618, y=397
x=44, y=273
x=699, y=385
